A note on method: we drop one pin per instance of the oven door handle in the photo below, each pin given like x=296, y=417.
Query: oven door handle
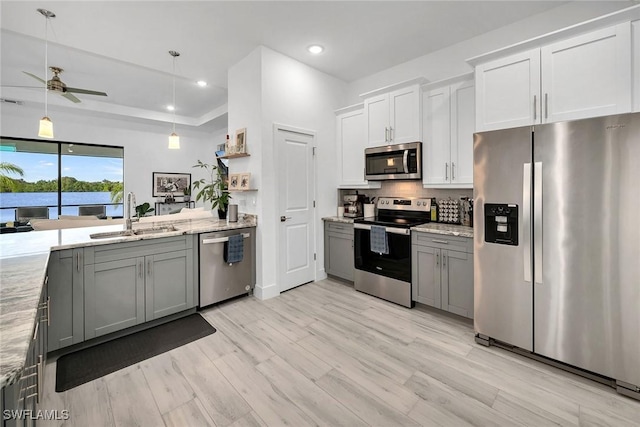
x=403, y=231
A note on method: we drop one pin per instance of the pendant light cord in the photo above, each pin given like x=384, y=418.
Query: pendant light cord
x=46, y=65
x=174, y=94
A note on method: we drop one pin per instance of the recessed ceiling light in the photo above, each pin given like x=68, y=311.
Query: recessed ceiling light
x=170, y=107
x=315, y=49
x=201, y=83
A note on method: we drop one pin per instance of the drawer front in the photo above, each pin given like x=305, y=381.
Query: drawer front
x=339, y=227
x=127, y=250
x=442, y=241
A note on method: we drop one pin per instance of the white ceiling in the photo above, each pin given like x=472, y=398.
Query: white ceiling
x=122, y=47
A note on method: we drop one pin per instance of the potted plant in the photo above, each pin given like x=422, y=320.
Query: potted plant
x=187, y=193
x=214, y=190
x=143, y=210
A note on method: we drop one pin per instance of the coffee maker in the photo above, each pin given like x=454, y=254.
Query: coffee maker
x=353, y=205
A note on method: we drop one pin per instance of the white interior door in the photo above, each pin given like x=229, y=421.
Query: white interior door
x=296, y=183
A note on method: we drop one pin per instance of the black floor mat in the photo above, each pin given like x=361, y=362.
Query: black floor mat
x=86, y=365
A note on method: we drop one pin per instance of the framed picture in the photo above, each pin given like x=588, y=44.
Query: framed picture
x=245, y=181
x=241, y=140
x=234, y=181
x=167, y=183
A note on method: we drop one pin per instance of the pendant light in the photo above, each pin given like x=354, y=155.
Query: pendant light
x=45, y=129
x=174, y=139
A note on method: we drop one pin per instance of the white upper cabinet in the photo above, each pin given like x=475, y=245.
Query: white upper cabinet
x=508, y=91
x=351, y=142
x=462, y=129
x=448, y=126
x=392, y=114
x=635, y=35
x=377, y=120
x=585, y=76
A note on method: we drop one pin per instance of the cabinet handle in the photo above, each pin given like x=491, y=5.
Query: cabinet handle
x=437, y=260
x=446, y=242
x=149, y=268
x=444, y=260
x=453, y=171
x=35, y=332
x=446, y=171
x=390, y=133
x=386, y=134
x=46, y=305
x=78, y=262
x=140, y=269
x=535, y=108
x=48, y=310
x=546, y=105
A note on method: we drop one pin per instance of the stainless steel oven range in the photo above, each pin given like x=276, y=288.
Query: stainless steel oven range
x=382, y=246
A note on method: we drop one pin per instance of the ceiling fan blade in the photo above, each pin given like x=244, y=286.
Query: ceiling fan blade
x=28, y=87
x=85, y=91
x=35, y=77
x=71, y=97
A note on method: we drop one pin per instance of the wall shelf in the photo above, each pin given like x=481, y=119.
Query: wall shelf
x=235, y=156
x=242, y=191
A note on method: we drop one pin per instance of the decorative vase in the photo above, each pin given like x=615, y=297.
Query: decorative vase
x=222, y=214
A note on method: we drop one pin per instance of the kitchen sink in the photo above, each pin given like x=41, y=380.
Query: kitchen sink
x=139, y=232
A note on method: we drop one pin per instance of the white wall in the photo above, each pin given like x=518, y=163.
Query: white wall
x=451, y=61
x=292, y=94
x=145, y=143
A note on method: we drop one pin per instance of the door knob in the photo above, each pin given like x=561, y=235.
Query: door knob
x=284, y=218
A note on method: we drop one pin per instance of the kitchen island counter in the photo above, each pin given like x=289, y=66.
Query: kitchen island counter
x=23, y=268
x=446, y=229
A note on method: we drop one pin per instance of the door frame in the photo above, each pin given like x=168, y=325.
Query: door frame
x=313, y=134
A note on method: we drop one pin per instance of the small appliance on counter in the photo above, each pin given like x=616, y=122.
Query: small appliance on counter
x=353, y=205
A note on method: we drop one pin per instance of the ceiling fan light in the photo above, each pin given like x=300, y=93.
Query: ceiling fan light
x=46, y=128
x=174, y=141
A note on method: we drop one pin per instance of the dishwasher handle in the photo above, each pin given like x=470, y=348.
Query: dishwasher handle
x=221, y=239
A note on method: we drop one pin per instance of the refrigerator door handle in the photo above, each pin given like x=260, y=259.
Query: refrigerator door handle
x=537, y=222
x=526, y=220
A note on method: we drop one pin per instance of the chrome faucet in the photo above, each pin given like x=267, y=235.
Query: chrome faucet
x=131, y=198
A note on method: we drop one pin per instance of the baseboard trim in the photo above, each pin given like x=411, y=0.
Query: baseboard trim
x=266, y=292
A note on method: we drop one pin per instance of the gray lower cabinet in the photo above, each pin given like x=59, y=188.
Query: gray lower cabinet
x=442, y=272
x=127, y=284
x=19, y=400
x=66, y=292
x=114, y=296
x=338, y=250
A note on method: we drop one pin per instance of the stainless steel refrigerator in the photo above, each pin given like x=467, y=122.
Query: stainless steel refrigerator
x=557, y=244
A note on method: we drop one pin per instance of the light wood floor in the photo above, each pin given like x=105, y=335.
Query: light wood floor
x=324, y=354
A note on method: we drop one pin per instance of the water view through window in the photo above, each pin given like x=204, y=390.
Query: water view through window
x=66, y=178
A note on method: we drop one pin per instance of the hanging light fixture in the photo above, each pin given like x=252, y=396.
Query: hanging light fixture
x=45, y=129
x=174, y=139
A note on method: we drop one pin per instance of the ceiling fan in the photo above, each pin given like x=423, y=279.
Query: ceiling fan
x=58, y=86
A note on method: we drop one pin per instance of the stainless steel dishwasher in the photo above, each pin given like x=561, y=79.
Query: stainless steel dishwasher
x=220, y=280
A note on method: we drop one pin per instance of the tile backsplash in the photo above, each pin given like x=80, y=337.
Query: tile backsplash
x=407, y=189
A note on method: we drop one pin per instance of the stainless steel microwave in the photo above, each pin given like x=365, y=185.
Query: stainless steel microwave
x=399, y=161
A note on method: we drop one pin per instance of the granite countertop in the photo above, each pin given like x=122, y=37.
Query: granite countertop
x=448, y=229
x=23, y=268
x=341, y=219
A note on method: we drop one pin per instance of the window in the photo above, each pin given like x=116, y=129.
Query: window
x=61, y=176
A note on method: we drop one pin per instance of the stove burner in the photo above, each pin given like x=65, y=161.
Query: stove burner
x=399, y=213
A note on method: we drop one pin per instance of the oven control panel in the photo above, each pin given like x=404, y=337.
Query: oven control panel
x=393, y=203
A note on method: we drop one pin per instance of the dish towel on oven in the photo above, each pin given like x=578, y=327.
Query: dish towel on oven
x=234, y=249
x=379, y=241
